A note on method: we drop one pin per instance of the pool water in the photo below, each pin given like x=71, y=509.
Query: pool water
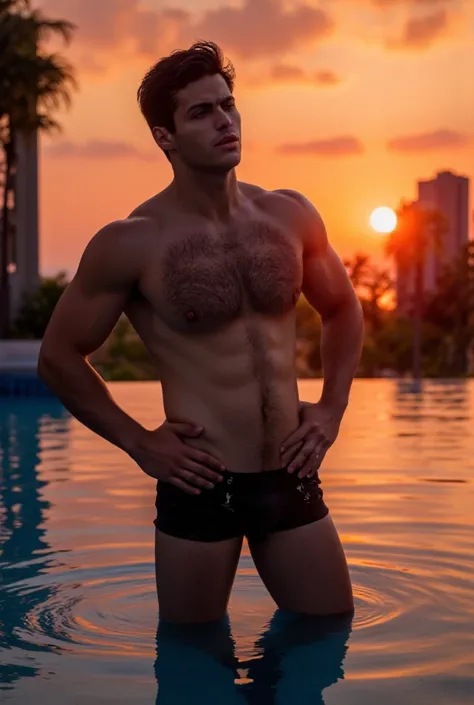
x=78, y=609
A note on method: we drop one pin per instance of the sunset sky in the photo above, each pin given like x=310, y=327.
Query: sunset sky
x=348, y=101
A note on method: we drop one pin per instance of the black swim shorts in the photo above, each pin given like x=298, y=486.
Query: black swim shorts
x=243, y=504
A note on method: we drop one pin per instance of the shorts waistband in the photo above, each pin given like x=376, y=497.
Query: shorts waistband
x=261, y=477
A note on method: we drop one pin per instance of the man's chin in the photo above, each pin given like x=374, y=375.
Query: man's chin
x=222, y=165
x=228, y=161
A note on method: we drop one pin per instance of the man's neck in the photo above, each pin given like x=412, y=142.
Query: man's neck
x=214, y=196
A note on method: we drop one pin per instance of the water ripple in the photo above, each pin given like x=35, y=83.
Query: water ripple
x=77, y=576
x=108, y=609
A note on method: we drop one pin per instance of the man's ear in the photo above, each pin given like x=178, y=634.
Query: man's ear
x=163, y=138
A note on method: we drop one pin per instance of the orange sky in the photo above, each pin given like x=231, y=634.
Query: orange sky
x=348, y=101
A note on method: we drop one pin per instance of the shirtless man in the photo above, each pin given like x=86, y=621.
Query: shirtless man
x=209, y=271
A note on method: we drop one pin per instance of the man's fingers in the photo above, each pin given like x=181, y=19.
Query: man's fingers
x=311, y=465
x=201, y=470
x=192, y=478
x=301, y=457
x=297, y=436
x=289, y=454
x=177, y=482
x=307, y=468
x=317, y=457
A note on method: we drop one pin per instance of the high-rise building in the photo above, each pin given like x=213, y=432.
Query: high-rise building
x=449, y=194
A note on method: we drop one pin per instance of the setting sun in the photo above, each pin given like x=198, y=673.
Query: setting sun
x=383, y=220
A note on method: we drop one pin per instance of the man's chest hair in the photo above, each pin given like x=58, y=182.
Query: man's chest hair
x=208, y=279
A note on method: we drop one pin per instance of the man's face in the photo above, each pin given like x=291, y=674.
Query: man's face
x=205, y=115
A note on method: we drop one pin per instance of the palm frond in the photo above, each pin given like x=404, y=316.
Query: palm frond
x=45, y=28
x=34, y=83
x=420, y=229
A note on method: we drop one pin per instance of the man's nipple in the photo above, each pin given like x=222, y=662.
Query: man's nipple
x=190, y=315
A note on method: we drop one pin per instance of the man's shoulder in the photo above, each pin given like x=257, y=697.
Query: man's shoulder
x=145, y=219
x=258, y=193
x=121, y=248
x=292, y=204
x=118, y=248
x=278, y=197
x=119, y=235
x=302, y=216
x=296, y=200
x=151, y=211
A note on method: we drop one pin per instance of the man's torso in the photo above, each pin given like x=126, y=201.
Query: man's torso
x=215, y=307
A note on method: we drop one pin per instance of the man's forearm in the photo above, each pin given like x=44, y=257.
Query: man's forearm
x=341, y=347
x=85, y=395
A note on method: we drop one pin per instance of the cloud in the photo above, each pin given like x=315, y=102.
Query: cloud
x=286, y=73
x=421, y=32
x=420, y=3
x=125, y=26
x=425, y=21
x=335, y=147
x=415, y=3
x=264, y=27
x=406, y=24
x=256, y=28
x=112, y=33
x=441, y=139
x=96, y=149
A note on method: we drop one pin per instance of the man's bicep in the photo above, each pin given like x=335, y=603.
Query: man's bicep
x=83, y=321
x=90, y=307
x=326, y=284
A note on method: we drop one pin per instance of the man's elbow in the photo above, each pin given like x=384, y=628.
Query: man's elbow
x=355, y=311
x=348, y=306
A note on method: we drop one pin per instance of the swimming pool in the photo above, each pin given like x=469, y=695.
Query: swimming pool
x=78, y=612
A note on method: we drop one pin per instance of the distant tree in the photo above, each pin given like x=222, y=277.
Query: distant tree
x=37, y=308
x=378, y=286
x=357, y=268
x=372, y=285
x=451, y=307
x=124, y=357
x=34, y=84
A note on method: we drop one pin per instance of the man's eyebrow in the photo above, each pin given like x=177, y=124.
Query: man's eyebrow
x=196, y=106
x=209, y=104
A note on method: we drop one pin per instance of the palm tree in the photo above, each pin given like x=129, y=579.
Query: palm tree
x=371, y=284
x=34, y=84
x=419, y=231
x=378, y=284
x=451, y=307
x=357, y=268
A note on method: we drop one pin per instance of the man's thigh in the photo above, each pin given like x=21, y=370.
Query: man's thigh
x=194, y=578
x=305, y=569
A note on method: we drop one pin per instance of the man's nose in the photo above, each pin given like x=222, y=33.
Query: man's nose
x=223, y=120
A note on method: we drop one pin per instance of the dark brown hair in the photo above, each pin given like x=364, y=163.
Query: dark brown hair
x=157, y=92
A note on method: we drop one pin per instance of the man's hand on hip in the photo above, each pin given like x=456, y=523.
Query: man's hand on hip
x=305, y=448
x=162, y=454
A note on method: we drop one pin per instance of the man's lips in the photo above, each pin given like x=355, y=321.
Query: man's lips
x=228, y=139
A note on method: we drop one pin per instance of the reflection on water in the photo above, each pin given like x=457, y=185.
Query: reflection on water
x=295, y=659
x=78, y=606
x=25, y=551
